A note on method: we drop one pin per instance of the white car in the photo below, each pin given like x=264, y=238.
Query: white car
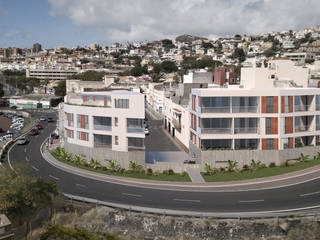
x=146, y=131
x=42, y=119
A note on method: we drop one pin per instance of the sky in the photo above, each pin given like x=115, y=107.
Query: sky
x=70, y=23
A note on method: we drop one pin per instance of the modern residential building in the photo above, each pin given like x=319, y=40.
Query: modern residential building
x=155, y=97
x=50, y=73
x=5, y=228
x=299, y=57
x=103, y=122
x=198, y=77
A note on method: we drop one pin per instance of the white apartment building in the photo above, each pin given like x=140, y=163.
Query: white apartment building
x=155, y=96
x=104, y=122
x=50, y=73
x=270, y=125
x=198, y=77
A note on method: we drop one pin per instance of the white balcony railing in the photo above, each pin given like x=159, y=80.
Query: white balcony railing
x=246, y=130
x=216, y=130
x=102, y=127
x=225, y=109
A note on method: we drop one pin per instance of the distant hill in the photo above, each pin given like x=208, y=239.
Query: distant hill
x=188, y=38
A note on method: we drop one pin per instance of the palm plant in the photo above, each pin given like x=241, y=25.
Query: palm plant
x=232, y=165
x=208, y=168
x=77, y=159
x=113, y=165
x=255, y=164
x=94, y=163
x=303, y=158
x=133, y=165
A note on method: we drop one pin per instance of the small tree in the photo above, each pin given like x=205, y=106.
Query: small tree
x=94, y=163
x=255, y=164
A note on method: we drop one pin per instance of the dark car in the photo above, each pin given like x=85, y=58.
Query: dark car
x=39, y=127
x=50, y=119
x=188, y=161
x=1, y=113
x=13, y=107
x=54, y=136
x=34, y=132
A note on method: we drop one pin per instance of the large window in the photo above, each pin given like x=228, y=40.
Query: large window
x=102, y=123
x=245, y=125
x=102, y=140
x=135, y=125
x=83, y=136
x=213, y=144
x=270, y=104
x=82, y=121
x=270, y=144
x=268, y=125
x=121, y=103
x=215, y=104
x=216, y=125
x=135, y=143
x=246, y=143
x=244, y=104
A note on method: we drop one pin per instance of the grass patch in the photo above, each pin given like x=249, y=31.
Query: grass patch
x=176, y=177
x=260, y=173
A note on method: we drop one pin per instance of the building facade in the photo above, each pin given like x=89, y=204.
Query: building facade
x=50, y=74
x=105, y=123
x=270, y=125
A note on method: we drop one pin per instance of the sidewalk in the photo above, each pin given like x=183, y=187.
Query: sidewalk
x=194, y=174
x=246, y=185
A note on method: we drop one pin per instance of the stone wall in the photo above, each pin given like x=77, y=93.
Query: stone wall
x=105, y=155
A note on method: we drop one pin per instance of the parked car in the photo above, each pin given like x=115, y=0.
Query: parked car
x=12, y=131
x=34, y=132
x=13, y=107
x=22, y=141
x=50, y=119
x=1, y=113
x=146, y=131
x=42, y=118
x=39, y=127
x=188, y=161
x=54, y=136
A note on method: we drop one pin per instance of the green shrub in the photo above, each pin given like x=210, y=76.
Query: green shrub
x=245, y=167
x=142, y=171
x=283, y=164
x=165, y=172
x=222, y=169
x=263, y=165
x=272, y=165
x=157, y=173
x=149, y=171
x=170, y=172
x=122, y=170
x=184, y=173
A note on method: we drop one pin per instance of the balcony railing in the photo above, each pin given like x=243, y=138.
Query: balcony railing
x=301, y=108
x=141, y=148
x=245, y=109
x=302, y=128
x=246, y=130
x=225, y=109
x=216, y=131
x=102, y=145
x=317, y=107
x=135, y=130
x=102, y=127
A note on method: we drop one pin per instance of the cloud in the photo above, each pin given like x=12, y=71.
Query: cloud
x=127, y=20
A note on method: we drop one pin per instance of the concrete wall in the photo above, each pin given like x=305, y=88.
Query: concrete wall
x=104, y=155
x=220, y=158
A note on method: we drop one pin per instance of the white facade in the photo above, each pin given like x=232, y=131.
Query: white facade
x=279, y=72
x=198, y=77
x=155, y=97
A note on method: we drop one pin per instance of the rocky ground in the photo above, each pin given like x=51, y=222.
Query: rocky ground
x=132, y=225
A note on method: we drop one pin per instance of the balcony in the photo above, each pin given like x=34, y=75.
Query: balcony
x=225, y=109
x=250, y=130
x=301, y=108
x=135, y=130
x=102, y=127
x=216, y=131
x=302, y=128
x=245, y=109
x=136, y=148
x=317, y=107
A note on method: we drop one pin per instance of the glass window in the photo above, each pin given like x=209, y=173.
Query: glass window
x=121, y=103
x=83, y=136
x=270, y=144
x=270, y=105
x=102, y=140
x=268, y=125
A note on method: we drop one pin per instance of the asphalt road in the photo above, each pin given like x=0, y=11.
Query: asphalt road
x=297, y=196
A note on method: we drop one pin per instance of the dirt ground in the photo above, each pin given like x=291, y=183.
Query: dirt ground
x=4, y=123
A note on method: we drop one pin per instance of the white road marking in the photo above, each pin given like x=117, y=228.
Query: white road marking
x=251, y=201
x=25, y=150
x=132, y=195
x=80, y=185
x=35, y=168
x=309, y=194
x=54, y=177
x=27, y=159
x=186, y=200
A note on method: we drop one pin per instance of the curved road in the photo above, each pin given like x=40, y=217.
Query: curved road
x=238, y=203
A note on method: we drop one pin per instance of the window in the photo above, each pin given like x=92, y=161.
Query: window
x=102, y=140
x=116, y=140
x=270, y=107
x=270, y=144
x=268, y=125
x=82, y=121
x=121, y=103
x=116, y=121
x=135, y=142
x=83, y=136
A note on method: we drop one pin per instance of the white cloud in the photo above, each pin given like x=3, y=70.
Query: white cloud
x=128, y=20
